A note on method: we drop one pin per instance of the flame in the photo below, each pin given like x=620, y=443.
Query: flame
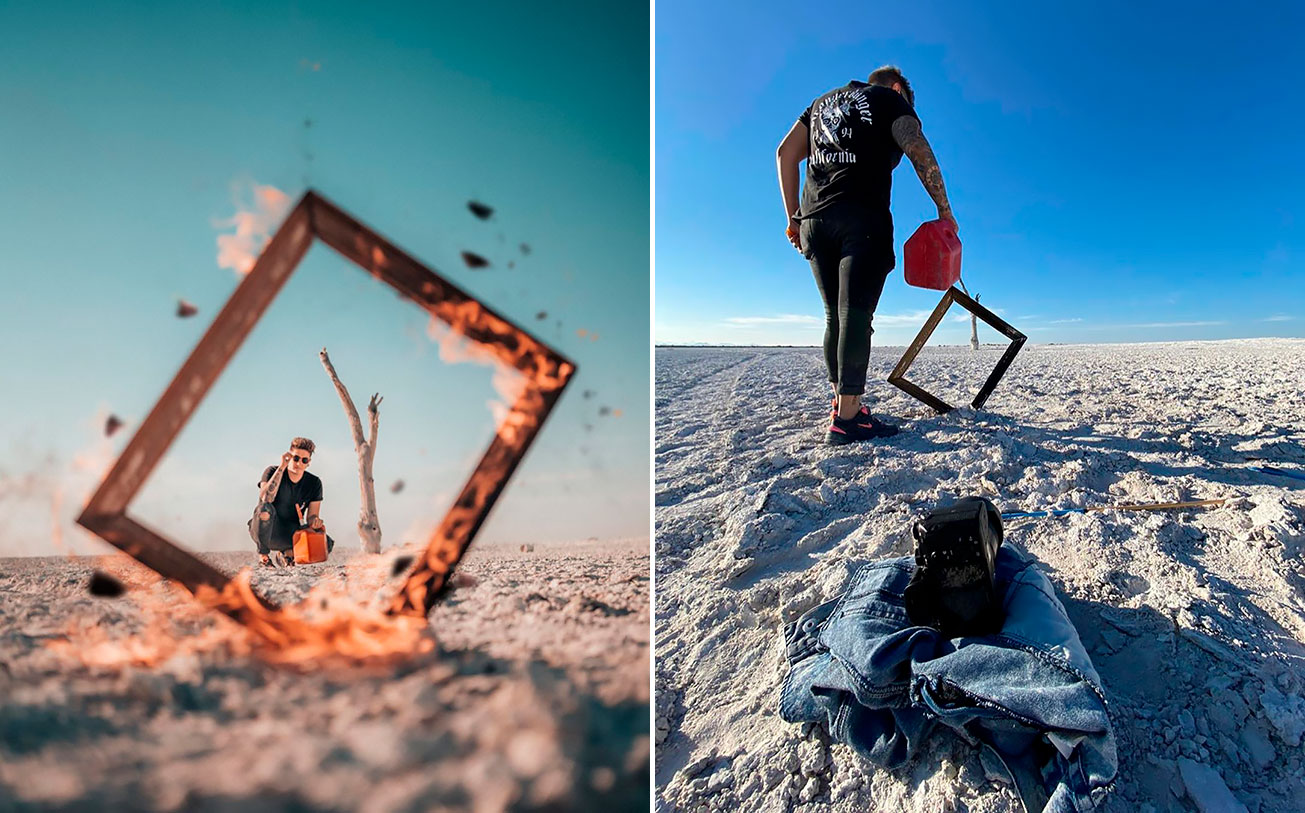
x=327, y=628
x=482, y=336
x=253, y=225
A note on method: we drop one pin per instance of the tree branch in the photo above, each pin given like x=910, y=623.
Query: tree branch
x=369, y=526
x=350, y=411
x=373, y=419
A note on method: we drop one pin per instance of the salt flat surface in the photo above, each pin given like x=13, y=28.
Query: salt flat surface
x=1195, y=619
x=536, y=698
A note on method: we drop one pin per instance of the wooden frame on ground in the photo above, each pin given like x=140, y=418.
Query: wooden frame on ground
x=898, y=376
x=546, y=374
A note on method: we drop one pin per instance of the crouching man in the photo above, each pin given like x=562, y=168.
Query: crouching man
x=289, y=499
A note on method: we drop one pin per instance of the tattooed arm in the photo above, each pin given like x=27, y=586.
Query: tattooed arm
x=907, y=134
x=267, y=490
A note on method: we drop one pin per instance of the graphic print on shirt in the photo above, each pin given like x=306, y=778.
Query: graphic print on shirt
x=835, y=118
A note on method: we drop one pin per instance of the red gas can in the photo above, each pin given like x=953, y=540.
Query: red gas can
x=933, y=256
x=310, y=547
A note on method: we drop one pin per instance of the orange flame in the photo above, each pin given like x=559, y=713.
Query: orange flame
x=327, y=628
x=487, y=337
x=320, y=628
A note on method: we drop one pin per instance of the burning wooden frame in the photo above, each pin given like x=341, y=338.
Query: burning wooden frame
x=898, y=376
x=546, y=373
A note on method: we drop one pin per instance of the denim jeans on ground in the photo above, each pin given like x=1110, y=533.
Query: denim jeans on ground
x=1028, y=694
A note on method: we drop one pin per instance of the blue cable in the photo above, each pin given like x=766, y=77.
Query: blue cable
x=1057, y=513
x=1280, y=472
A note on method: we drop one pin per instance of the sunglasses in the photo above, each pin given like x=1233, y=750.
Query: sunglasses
x=296, y=458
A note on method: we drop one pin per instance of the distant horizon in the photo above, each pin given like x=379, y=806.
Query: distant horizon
x=109, y=550
x=1003, y=344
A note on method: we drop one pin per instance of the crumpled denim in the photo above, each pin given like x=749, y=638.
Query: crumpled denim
x=1027, y=695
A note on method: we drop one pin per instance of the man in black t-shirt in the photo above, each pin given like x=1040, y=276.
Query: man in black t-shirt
x=290, y=498
x=852, y=138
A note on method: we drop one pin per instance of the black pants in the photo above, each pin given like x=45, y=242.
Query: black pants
x=851, y=254
x=267, y=534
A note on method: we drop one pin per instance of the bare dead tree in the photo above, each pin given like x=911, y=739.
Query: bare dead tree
x=974, y=328
x=369, y=526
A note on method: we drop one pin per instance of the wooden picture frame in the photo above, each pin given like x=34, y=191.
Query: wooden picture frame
x=898, y=376
x=545, y=370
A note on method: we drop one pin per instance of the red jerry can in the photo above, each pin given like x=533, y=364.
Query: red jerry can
x=933, y=256
x=310, y=547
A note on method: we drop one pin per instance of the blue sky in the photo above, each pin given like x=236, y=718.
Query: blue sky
x=131, y=131
x=1120, y=171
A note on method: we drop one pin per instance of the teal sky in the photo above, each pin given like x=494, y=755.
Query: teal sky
x=131, y=131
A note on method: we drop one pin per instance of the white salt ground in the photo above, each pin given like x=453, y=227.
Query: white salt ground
x=1195, y=619
x=536, y=698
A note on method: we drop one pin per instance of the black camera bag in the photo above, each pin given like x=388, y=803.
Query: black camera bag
x=953, y=588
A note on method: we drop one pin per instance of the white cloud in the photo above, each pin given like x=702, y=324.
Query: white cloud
x=1278, y=318
x=801, y=319
x=914, y=319
x=1175, y=324
x=1064, y=321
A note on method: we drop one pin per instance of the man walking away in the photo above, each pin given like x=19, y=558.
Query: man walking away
x=852, y=139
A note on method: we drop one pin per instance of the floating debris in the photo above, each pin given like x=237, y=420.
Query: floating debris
x=511, y=264
x=480, y=210
x=542, y=315
x=185, y=310
x=113, y=424
x=525, y=249
x=589, y=394
x=474, y=260
x=581, y=332
x=605, y=410
x=397, y=487
x=105, y=586
x=401, y=564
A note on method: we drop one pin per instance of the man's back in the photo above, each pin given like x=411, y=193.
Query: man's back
x=852, y=152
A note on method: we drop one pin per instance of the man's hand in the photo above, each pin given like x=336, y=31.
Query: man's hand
x=316, y=523
x=794, y=234
x=285, y=459
x=946, y=214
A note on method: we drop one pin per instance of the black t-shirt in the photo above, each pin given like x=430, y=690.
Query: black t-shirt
x=852, y=151
x=289, y=495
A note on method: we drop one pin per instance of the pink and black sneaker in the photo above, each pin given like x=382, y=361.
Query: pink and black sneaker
x=833, y=410
x=861, y=426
